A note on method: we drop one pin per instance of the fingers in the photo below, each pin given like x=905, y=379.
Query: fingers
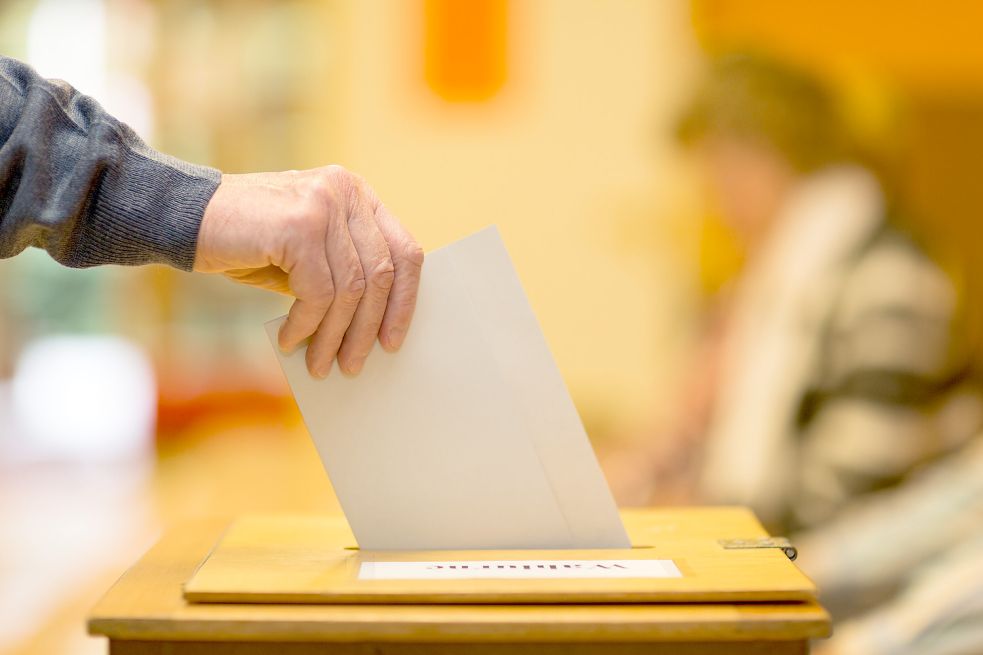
x=407, y=259
x=355, y=277
x=311, y=283
x=378, y=271
x=349, y=283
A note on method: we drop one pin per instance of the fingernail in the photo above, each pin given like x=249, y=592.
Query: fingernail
x=396, y=335
x=321, y=372
x=284, y=347
x=355, y=365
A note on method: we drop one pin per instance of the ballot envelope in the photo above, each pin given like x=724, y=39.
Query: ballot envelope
x=466, y=438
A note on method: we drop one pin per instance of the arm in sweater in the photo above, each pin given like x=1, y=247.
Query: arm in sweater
x=81, y=185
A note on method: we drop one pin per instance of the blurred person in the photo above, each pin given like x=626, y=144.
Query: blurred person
x=84, y=187
x=840, y=369
x=832, y=371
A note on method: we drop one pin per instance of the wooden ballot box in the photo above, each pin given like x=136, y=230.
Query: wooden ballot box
x=696, y=581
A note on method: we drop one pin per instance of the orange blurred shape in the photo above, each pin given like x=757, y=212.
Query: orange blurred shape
x=225, y=393
x=465, y=57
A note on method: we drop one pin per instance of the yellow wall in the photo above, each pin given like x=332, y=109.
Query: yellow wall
x=570, y=159
x=926, y=45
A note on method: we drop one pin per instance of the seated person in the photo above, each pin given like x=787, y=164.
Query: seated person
x=833, y=372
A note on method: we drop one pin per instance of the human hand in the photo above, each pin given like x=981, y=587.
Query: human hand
x=658, y=466
x=322, y=236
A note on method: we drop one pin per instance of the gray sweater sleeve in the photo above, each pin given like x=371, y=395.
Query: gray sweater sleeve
x=81, y=185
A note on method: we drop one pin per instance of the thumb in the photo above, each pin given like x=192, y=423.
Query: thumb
x=270, y=277
x=310, y=282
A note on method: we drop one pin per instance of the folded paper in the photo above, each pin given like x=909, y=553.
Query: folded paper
x=466, y=438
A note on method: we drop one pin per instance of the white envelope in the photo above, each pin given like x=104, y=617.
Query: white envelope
x=466, y=438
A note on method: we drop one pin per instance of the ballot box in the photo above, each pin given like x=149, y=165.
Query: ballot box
x=695, y=580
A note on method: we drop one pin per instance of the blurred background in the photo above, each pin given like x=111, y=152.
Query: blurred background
x=568, y=123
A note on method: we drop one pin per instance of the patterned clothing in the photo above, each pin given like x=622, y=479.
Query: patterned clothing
x=841, y=384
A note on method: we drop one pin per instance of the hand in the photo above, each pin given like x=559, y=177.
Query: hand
x=323, y=237
x=657, y=467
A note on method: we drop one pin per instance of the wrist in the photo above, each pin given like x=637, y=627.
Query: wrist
x=212, y=217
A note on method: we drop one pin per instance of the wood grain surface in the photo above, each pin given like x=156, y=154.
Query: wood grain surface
x=146, y=605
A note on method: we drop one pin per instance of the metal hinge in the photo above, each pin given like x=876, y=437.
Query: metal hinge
x=765, y=542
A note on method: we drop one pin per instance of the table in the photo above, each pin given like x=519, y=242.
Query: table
x=144, y=613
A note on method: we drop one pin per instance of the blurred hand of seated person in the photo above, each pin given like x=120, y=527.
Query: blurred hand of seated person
x=81, y=185
x=323, y=236
x=662, y=464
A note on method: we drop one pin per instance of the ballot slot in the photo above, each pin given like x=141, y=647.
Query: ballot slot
x=634, y=547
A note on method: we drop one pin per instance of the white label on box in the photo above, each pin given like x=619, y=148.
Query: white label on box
x=519, y=569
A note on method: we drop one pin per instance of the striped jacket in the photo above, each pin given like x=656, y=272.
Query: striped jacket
x=841, y=385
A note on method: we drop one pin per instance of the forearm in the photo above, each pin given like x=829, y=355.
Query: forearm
x=858, y=552
x=81, y=185
x=939, y=610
